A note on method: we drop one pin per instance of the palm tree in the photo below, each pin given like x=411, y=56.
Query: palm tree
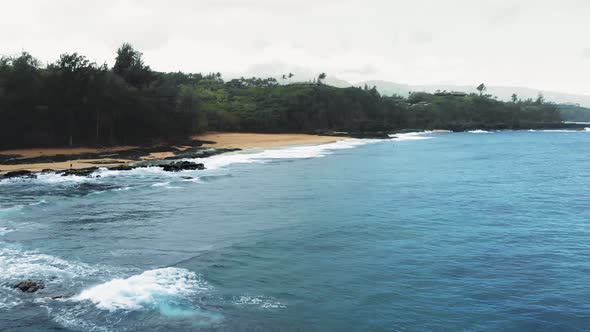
x=321, y=77
x=481, y=88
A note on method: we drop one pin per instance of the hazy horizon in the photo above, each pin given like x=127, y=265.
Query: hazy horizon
x=501, y=43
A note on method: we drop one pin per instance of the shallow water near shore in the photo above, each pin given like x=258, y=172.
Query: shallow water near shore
x=431, y=231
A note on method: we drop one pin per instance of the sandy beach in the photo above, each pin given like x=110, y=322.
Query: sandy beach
x=251, y=140
x=222, y=140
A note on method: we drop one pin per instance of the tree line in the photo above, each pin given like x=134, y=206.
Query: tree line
x=75, y=101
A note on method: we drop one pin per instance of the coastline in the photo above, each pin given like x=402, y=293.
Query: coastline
x=59, y=159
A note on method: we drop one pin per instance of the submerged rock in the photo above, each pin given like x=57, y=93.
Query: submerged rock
x=122, y=168
x=29, y=286
x=80, y=171
x=15, y=174
x=182, y=166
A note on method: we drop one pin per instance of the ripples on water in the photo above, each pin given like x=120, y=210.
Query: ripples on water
x=429, y=231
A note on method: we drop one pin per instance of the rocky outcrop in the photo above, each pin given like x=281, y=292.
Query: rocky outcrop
x=182, y=166
x=192, y=153
x=79, y=172
x=123, y=168
x=29, y=286
x=15, y=174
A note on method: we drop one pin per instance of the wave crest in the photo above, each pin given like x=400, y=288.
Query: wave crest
x=149, y=289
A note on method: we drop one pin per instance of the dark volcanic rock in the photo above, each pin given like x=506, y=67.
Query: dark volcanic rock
x=122, y=168
x=29, y=286
x=5, y=157
x=79, y=172
x=182, y=166
x=199, y=153
x=15, y=174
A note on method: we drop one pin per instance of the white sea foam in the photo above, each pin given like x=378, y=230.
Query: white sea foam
x=5, y=230
x=585, y=130
x=9, y=297
x=122, y=189
x=71, y=320
x=17, y=265
x=479, y=131
x=149, y=289
x=214, y=162
x=294, y=152
x=414, y=136
x=261, y=302
x=54, y=178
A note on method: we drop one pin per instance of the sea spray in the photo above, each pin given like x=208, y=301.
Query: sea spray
x=149, y=289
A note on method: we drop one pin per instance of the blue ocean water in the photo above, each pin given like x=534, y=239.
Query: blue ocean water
x=427, y=232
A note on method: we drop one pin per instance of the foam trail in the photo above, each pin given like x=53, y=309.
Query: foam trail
x=294, y=152
x=5, y=230
x=415, y=136
x=17, y=265
x=146, y=290
x=261, y=302
x=479, y=131
x=585, y=130
x=9, y=298
x=214, y=162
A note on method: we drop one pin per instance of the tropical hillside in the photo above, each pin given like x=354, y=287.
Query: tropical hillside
x=574, y=113
x=74, y=101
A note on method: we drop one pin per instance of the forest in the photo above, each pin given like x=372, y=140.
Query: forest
x=75, y=101
x=574, y=113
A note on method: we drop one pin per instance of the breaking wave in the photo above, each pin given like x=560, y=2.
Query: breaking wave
x=150, y=289
x=295, y=152
x=585, y=130
x=414, y=136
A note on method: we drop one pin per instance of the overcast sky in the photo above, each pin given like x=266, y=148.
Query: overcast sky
x=542, y=44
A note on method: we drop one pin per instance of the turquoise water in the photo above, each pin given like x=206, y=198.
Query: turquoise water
x=429, y=232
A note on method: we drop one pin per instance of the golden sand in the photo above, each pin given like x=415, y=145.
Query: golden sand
x=223, y=140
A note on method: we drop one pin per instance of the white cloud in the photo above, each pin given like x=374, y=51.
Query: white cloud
x=500, y=42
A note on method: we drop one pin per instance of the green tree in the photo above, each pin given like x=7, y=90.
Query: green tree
x=321, y=78
x=481, y=88
x=129, y=65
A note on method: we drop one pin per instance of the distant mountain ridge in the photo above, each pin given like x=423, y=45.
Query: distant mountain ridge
x=502, y=92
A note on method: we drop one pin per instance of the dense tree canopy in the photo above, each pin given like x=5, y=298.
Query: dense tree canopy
x=75, y=101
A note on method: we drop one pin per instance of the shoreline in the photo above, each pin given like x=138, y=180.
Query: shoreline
x=61, y=159
x=35, y=160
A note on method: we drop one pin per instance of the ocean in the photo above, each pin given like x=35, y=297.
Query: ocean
x=476, y=231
